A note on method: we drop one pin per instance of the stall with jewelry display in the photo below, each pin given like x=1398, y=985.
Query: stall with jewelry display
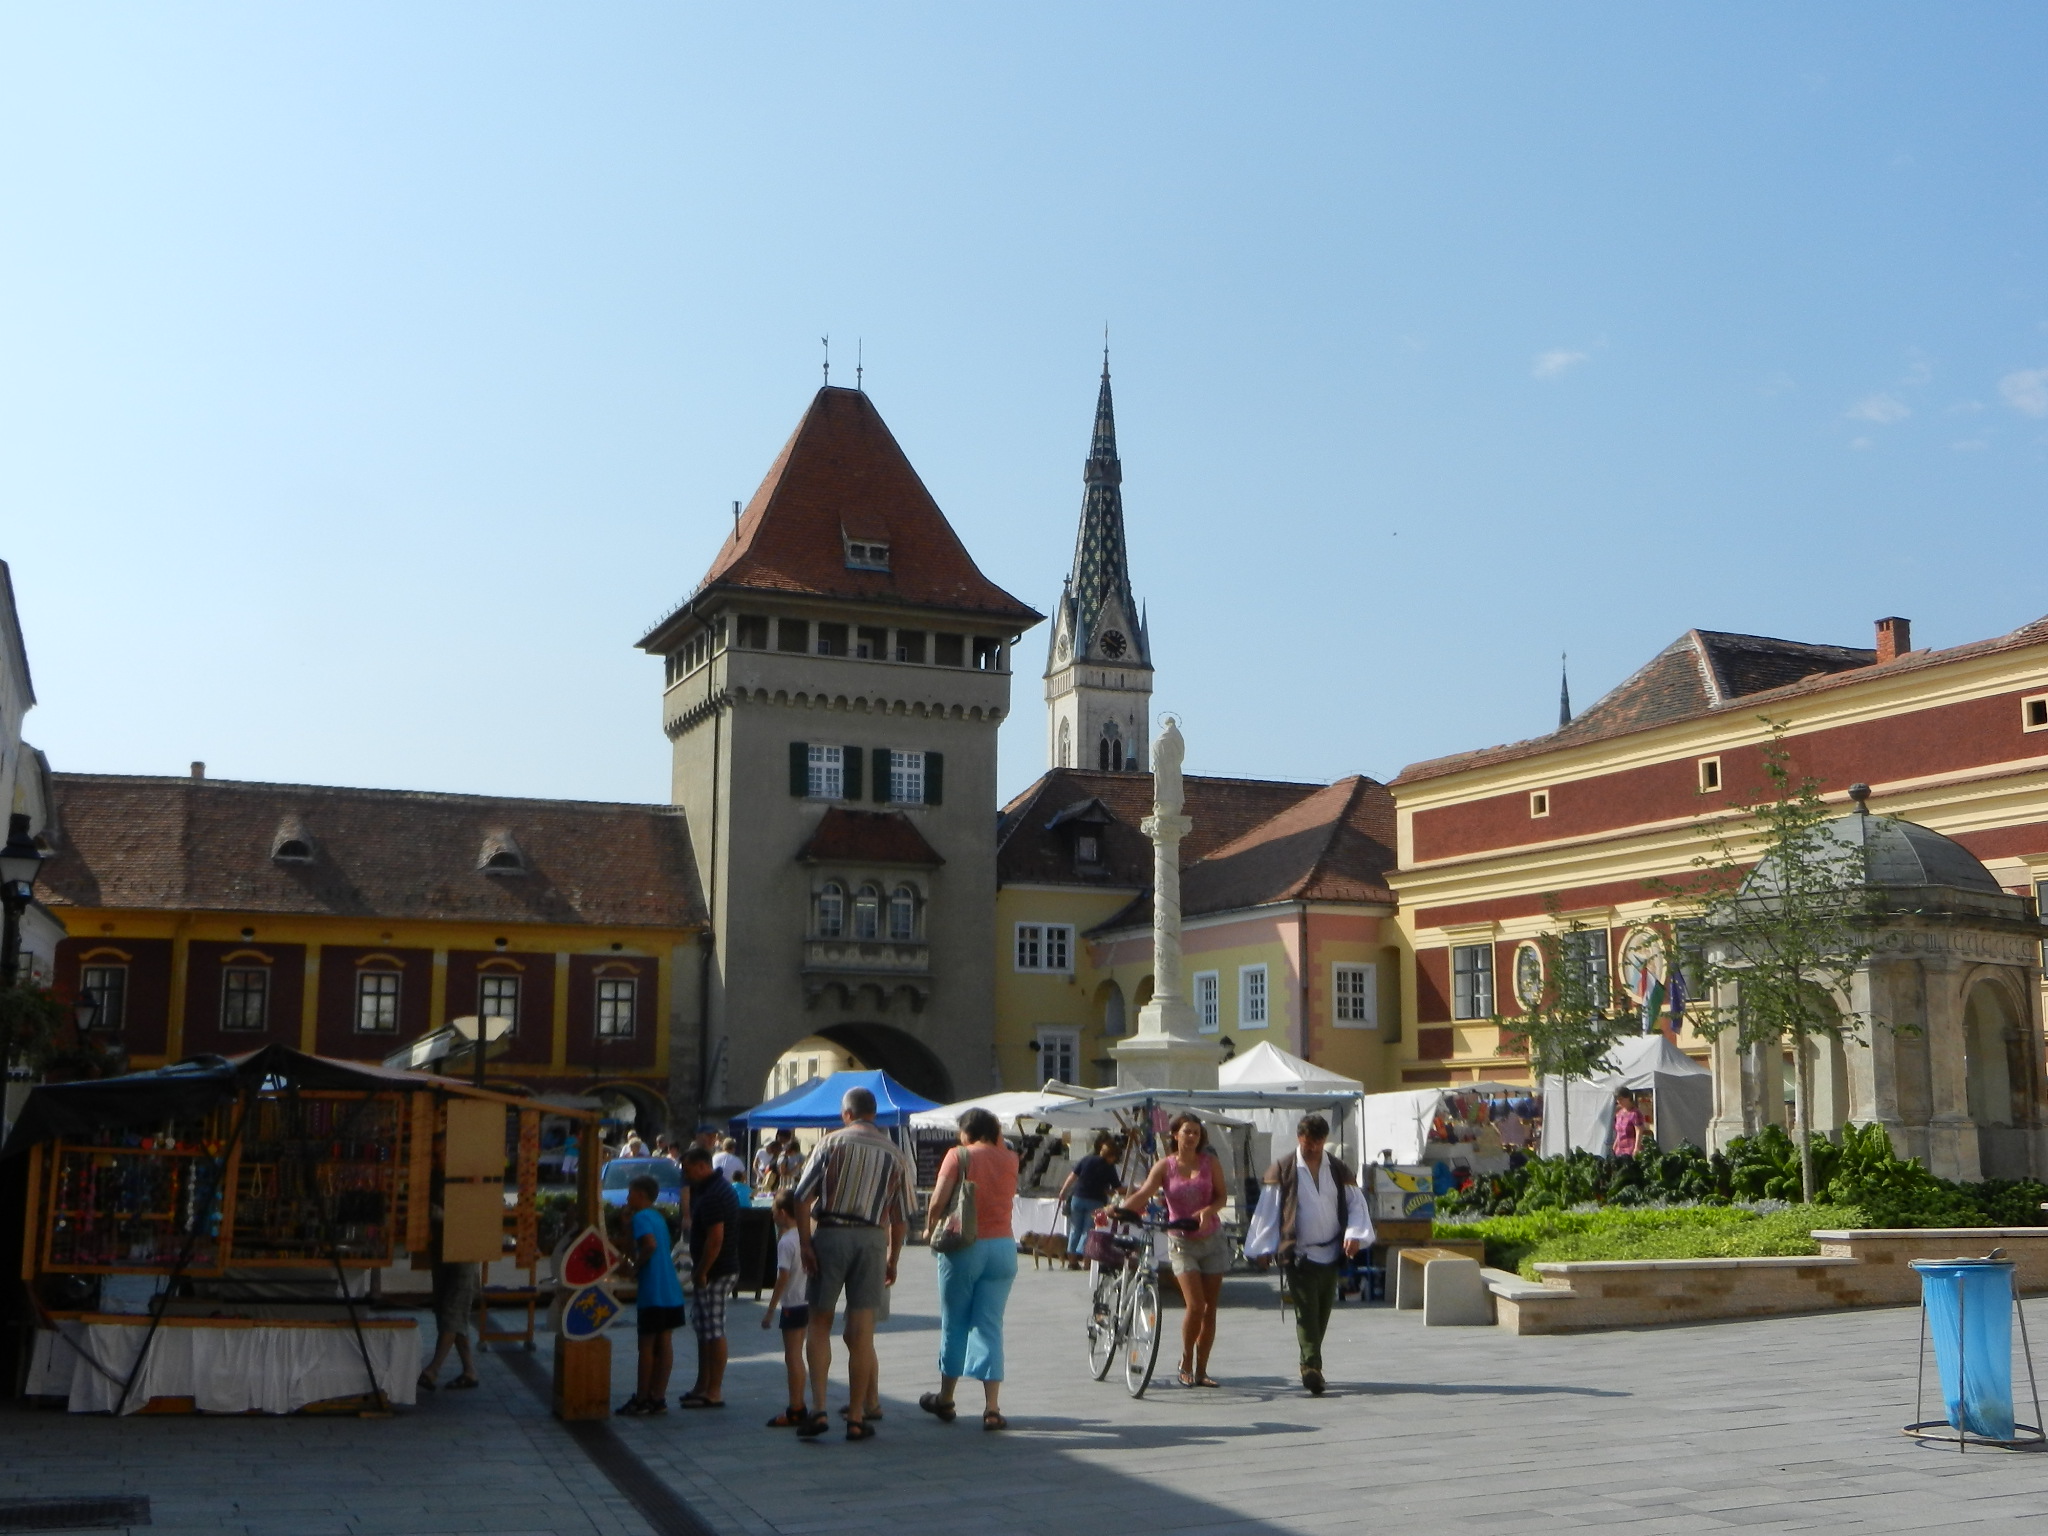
x=245, y=1235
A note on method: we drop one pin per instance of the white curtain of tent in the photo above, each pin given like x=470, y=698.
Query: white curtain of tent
x=1684, y=1090
x=1268, y=1068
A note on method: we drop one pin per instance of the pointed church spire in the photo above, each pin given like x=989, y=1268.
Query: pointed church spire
x=1564, y=691
x=1100, y=584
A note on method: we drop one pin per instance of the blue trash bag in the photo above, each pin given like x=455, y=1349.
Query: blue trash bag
x=1969, y=1316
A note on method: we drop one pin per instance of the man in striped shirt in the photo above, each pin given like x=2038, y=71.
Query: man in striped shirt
x=853, y=1209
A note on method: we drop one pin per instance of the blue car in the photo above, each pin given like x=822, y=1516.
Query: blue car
x=620, y=1172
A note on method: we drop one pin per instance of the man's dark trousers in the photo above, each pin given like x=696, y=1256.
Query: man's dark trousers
x=1314, y=1289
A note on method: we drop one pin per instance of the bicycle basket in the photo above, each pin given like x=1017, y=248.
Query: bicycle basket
x=1100, y=1247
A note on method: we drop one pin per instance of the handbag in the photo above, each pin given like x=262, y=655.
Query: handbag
x=958, y=1230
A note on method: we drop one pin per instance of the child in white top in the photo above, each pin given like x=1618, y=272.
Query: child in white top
x=788, y=1304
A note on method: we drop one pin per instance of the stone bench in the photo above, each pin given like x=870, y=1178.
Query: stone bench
x=1445, y=1286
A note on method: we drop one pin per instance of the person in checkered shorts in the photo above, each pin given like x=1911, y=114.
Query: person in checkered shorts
x=714, y=1265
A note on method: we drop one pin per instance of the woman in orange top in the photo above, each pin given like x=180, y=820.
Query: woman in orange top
x=975, y=1281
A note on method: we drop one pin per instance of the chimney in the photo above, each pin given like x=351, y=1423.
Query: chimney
x=199, y=770
x=1894, y=639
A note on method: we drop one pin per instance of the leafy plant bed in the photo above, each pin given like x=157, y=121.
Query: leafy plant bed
x=1856, y=1168
x=1520, y=1243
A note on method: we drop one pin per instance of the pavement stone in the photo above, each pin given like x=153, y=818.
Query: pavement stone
x=1779, y=1425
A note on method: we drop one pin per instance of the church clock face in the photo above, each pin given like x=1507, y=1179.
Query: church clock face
x=1113, y=643
x=1066, y=647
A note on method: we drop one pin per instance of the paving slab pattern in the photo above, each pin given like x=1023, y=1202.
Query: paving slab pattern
x=1786, y=1424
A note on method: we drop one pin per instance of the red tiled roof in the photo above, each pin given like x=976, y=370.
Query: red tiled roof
x=1704, y=672
x=1221, y=809
x=868, y=837
x=842, y=476
x=173, y=844
x=1334, y=845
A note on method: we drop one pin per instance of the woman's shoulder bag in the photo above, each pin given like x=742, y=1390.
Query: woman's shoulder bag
x=957, y=1231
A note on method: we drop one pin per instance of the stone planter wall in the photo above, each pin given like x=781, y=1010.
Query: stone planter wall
x=1853, y=1269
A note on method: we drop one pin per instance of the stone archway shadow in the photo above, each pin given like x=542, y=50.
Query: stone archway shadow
x=903, y=1056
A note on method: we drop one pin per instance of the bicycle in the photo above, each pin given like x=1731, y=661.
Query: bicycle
x=1123, y=1304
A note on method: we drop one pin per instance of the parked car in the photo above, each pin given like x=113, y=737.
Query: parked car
x=620, y=1172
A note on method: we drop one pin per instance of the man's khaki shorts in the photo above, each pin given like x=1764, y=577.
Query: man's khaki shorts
x=853, y=1260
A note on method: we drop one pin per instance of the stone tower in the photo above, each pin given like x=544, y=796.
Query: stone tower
x=833, y=690
x=1098, y=673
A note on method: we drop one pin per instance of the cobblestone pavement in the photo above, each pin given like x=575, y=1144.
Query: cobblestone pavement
x=1782, y=1425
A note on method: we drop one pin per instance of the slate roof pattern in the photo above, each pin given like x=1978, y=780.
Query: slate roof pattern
x=1334, y=845
x=1705, y=671
x=1221, y=809
x=127, y=841
x=840, y=477
x=868, y=837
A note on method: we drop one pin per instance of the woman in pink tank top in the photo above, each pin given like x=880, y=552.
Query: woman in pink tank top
x=1191, y=1180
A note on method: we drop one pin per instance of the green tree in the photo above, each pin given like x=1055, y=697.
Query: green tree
x=1565, y=1027
x=1784, y=912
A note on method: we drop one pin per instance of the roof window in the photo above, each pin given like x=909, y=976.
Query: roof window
x=866, y=555
x=291, y=843
x=501, y=855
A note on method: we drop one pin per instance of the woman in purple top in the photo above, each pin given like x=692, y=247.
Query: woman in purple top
x=1191, y=1179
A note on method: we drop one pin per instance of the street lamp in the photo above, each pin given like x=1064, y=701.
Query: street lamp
x=491, y=1029
x=20, y=861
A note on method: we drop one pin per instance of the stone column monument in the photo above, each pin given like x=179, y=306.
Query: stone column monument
x=1166, y=1051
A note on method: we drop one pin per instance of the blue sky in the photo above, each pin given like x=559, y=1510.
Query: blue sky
x=374, y=373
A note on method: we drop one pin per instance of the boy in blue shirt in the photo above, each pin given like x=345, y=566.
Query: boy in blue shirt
x=661, y=1297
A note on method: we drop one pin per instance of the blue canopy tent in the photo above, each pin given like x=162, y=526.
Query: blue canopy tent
x=817, y=1102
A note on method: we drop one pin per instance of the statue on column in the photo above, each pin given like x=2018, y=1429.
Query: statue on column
x=1167, y=1051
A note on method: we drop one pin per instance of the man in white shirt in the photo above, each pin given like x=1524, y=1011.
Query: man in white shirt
x=1311, y=1207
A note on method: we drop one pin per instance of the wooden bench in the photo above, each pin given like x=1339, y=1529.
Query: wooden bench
x=1445, y=1285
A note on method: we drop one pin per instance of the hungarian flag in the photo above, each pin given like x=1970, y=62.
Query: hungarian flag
x=1651, y=989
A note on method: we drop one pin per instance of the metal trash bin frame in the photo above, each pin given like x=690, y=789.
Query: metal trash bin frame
x=2027, y=1437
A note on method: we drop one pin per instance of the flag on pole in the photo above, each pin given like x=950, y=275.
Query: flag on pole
x=1677, y=994
x=1650, y=988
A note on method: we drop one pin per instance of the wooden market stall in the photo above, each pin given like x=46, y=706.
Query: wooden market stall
x=229, y=1235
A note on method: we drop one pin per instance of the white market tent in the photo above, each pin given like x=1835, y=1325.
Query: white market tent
x=1398, y=1123
x=1026, y=1104
x=1265, y=1067
x=1684, y=1089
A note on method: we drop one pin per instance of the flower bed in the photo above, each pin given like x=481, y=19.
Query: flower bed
x=1520, y=1243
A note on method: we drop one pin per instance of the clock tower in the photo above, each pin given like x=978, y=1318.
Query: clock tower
x=1098, y=677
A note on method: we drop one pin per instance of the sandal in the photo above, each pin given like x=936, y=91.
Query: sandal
x=857, y=1429
x=698, y=1400
x=872, y=1415
x=789, y=1418
x=464, y=1382
x=427, y=1383
x=813, y=1426
x=938, y=1407
x=993, y=1420
x=1187, y=1378
x=1207, y=1381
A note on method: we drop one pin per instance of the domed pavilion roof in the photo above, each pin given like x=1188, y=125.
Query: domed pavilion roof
x=1897, y=854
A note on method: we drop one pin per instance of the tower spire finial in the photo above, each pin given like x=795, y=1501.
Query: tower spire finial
x=860, y=360
x=826, y=343
x=1564, y=689
x=1105, y=350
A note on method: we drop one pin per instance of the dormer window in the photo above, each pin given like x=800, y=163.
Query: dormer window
x=1087, y=849
x=866, y=555
x=291, y=843
x=501, y=855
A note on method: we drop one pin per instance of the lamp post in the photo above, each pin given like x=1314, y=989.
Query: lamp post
x=20, y=861
x=480, y=1032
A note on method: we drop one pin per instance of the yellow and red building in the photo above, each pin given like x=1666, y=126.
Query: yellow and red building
x=213, y=917
x=1497, y=846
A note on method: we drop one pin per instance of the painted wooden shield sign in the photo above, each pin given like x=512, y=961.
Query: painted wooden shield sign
x=588, y=1312
x=588, y=1259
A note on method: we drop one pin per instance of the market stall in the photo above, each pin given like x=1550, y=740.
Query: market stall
x=1045, y=1154
x=229, y=1235
x=1674, y=1091
x=1267, y=1068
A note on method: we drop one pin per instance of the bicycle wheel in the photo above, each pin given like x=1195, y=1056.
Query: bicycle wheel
x=1104, y=1309
x=1141, y=1330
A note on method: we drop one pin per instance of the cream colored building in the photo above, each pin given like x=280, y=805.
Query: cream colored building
x=833, y=690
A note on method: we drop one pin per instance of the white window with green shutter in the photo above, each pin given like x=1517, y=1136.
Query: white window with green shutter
x=827, y=779
x=906, y=778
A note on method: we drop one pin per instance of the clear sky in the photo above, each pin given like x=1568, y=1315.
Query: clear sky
x=373, y=374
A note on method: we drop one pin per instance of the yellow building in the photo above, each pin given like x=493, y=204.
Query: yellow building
x=209, y=916
x=1499, y=845
x=1286, y=922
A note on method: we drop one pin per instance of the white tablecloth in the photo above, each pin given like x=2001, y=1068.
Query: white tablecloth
x=222, y=1369
x=1033, y=1216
